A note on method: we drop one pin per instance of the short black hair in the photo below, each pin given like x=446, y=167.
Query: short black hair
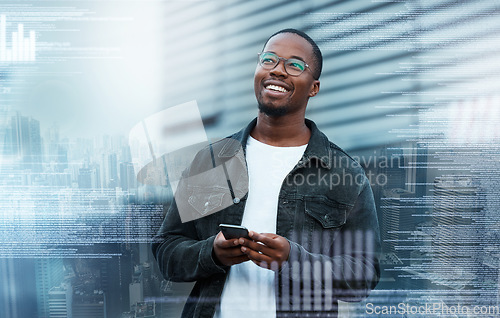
x=317, y=56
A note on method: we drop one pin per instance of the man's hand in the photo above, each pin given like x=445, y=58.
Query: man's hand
x=228, y=252
x=266, y=250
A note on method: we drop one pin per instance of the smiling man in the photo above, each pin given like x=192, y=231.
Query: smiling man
x=314, y=236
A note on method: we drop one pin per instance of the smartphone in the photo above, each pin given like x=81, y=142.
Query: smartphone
x=233, y=231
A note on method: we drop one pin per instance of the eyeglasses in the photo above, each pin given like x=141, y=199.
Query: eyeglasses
x=293, y=67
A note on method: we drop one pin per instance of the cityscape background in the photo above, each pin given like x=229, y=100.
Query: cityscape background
x=409, y=88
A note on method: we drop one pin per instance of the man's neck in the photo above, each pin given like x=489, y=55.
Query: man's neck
x=282, y=131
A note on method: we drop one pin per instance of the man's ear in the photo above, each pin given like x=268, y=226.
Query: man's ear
x=314, y=89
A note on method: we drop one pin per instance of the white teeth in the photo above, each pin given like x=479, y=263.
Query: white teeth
x=276, y=88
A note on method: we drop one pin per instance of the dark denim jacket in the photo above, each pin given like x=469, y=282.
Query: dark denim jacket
x=326, y=211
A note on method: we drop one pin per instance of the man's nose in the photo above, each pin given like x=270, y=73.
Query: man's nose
x=279, y=70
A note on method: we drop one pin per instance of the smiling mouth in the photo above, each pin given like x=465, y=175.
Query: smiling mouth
x=277, y=88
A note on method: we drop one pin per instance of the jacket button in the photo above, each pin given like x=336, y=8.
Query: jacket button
x=327, y=217
x=236, y=200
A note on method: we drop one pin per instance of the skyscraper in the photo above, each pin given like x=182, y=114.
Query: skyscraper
x=25, y=141
x=48, y=274
x=60, y=301
x=87, y=305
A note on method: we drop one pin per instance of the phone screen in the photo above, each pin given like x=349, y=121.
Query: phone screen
x=233, y=231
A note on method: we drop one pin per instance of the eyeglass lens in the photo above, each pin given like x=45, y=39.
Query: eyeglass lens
x=293, y=67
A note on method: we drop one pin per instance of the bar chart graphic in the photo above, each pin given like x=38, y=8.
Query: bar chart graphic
x=21, y=48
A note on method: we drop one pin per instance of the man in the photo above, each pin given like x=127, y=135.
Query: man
x=314, y=235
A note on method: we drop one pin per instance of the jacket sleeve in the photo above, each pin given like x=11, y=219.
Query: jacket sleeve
x=181, y=255
x=349, y=269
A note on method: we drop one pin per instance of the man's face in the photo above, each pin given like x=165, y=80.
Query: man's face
x=277, y=92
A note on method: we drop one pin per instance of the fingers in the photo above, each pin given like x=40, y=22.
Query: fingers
x=266, y=238
x=267, y=250
x=261, y=253
x=256, y=257
x=230, y=258
x=221, y=242
x=267, y=243
x=263, y=260
x=255, y=246
x=228, y=252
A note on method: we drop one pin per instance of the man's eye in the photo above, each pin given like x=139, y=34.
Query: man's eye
x=268, y=61
x=296, y=65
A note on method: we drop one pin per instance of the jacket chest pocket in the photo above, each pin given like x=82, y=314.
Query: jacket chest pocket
x=328, y=213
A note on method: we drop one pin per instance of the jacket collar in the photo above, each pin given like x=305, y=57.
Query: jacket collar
x=317, y=148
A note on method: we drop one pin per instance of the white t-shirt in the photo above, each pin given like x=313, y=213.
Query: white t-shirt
x=249, y=289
